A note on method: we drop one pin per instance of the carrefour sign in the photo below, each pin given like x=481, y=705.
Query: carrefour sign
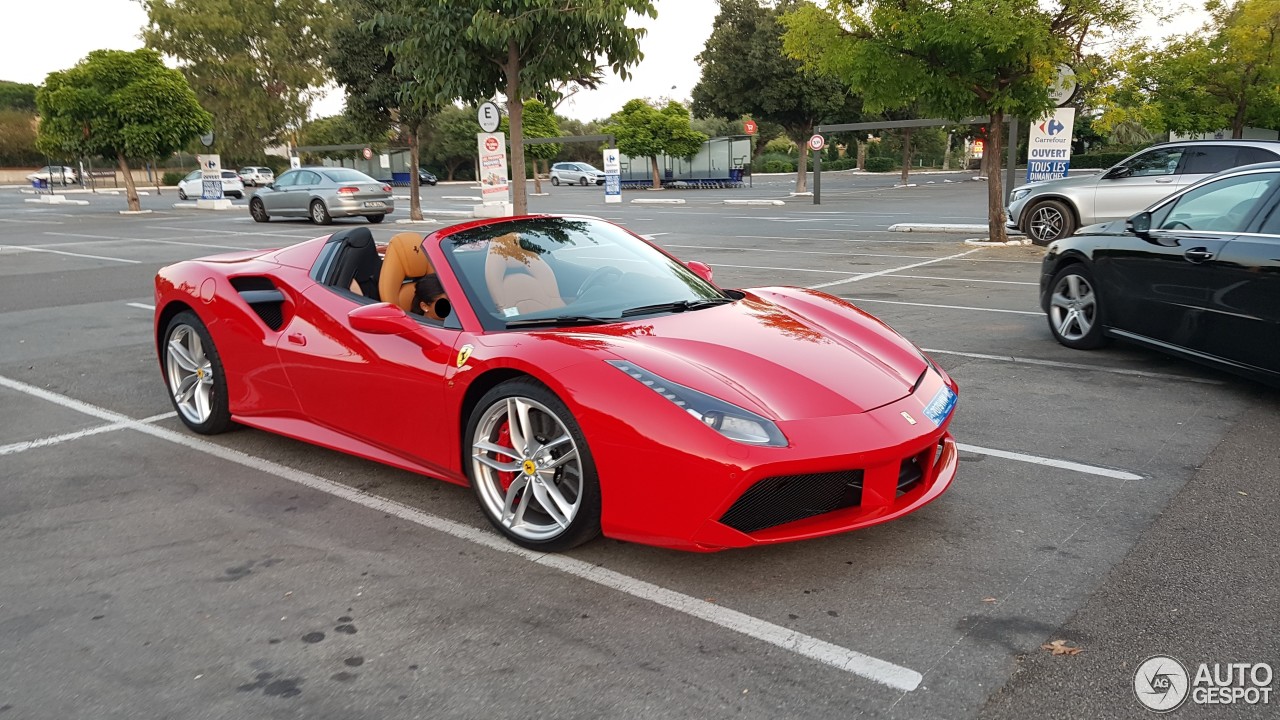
x=1049, y=148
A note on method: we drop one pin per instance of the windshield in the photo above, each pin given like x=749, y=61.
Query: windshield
x=347, y=175
x=559, y=268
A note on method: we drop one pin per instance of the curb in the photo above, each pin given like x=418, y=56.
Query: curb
x=754, y=202
x=937, y=227
x=656, y=201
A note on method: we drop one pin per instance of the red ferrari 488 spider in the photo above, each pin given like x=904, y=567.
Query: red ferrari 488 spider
x=578, y=378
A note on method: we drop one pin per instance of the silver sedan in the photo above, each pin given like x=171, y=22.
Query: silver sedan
x=322, y=194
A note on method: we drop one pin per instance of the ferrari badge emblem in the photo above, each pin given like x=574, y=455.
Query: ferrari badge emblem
x=529, y=467
x=907, y=416
x=464, y=354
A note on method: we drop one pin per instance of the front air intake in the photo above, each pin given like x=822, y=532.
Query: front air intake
x=787, y=498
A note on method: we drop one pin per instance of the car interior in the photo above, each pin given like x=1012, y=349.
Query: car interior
x=351, y=264
x=518, y=279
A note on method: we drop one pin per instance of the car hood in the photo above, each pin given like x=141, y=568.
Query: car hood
x=784, y=353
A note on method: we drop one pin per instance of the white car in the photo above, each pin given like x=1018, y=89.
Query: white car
x=192, y=186
x=575, y=173
x=61, y=175
x=257, y=175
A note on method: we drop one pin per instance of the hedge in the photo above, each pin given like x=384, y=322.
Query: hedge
x=172, y=178
x=879, y=164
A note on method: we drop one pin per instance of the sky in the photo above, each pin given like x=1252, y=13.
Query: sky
x=58, y=33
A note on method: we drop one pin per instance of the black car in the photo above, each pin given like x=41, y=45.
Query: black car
x=1195, y=275
x=425, y=178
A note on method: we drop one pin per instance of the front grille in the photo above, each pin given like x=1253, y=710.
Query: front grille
x=778, y=500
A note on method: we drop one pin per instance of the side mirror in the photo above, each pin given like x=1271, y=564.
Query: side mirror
x=388, y=319
x=1117, y=172
x=1140, y=225
x=702, y=270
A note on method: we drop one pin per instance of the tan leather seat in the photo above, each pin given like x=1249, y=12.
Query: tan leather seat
x=519, y=279
x=405, y=260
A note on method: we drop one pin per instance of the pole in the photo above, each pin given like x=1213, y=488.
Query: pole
x=817, y=177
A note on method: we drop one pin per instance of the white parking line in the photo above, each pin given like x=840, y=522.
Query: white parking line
x=13, y=448
x=943, y=307
x=141, y=306
x=956, y=279
x=841, y=658
x=28, y=248
x=1077, y=366
x=878, y=273
x=1050, y=462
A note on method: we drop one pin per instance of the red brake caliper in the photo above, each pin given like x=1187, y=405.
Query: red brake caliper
x=504, y=439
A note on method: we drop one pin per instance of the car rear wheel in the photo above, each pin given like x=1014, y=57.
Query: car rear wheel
x=320, y=214
x=1075, y=309
x=1048, y=221
x=194, y=375
x=555, y=180
x=258, y=210
x=375, y=219
x=530, y=468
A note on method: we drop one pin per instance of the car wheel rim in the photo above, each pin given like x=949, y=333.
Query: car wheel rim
x=1047, y=223
x=190, y=374
x=256, y=210
x=1073, y=307
x=317, y=213
x=527, y=469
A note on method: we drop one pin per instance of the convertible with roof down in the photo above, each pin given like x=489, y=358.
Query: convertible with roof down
x=578, y=378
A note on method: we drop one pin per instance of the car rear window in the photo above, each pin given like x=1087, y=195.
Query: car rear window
x=229, y=174
x=347, y=175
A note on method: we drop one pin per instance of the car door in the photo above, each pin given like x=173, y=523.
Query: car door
x=1176, y=286
x=300, y=194
x=1137, y=183
x=276, y=198
x=193, y=184
x=1201, y=161
x=383, y=389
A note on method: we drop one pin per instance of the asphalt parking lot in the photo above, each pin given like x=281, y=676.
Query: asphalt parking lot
x=1119, y=500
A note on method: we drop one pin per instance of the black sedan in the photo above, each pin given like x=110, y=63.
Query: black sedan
x=1195, y=275
x=425, y=177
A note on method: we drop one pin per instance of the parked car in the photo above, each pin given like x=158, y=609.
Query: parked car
x=256, y=175
x=576, y=173
x=322, y=194
x=426, y=178
x=62, y=175
x=192, y=186
x=1194, y=275
x=1053, y=209
x=618, y=391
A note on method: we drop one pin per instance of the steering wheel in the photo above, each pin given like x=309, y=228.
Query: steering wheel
x=597, y=277
x=1173, y=225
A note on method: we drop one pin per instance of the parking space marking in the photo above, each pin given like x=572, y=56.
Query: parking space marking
x=933, y=277
x=141, y=306
x=878, y=273
x=13, y=448
x=841, y=658
x=1051, y=462
x=64, y=252
x=943, y=307
x=1077, y=366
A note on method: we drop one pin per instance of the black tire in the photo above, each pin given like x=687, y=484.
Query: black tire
x=375, y=219
x=238, y=196
x=218, y=417
x=1073, y=290
x=585, y=523
x=582, y=181
x=258, y=210
x=1048, y=220
x=181, y=195
x=555, y=180
x=320, y=214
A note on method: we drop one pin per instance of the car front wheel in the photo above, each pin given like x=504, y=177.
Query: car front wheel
x=1048, y=221
x=582, y=181
x=194, y=375
x=530, y=468
x=1075, y=309
x=258, y=210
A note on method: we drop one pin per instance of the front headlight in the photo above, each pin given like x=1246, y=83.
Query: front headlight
x=1019, y=194
x=731, y=421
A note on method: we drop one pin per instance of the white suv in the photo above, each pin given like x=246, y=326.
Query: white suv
x=575, y=173
x=252, y=176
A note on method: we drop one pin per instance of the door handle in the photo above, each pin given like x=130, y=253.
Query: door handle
x=1165, y=181
x=297, y=338
x=1198, y=255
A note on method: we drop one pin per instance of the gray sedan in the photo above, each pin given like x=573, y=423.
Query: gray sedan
x=322, y=194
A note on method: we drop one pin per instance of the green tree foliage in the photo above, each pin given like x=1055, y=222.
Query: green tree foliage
x=954, y=58
x=381, y=94
x=642, y=130
x=336, y=130
x=18, y=138
x=256, y=65
x=453, y=139
x=470, y=49
x=1227, y=75
x=744, y=72
x=119, y=105
x=17, y=96
x=539, y=122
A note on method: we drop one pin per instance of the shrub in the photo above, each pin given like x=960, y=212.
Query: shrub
x=775, y=163
x=880, y=164
x=172, y=178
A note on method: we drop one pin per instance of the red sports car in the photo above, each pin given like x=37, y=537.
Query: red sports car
x=578, y=378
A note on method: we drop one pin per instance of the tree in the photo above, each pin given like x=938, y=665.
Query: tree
x=744, y=72
x=539, y=122
x=453, y=139
x=255, y=65
x=18, y=138
x=17, y=96
x=119, y=104
x=641, y=130
x=470, y=49
x=955, y=58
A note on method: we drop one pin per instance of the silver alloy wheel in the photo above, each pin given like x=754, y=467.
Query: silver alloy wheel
x=534, y=484
x=1046, y=223
x=1073, y=307
x=258, y=210
x=190, y=373
x=318, y=213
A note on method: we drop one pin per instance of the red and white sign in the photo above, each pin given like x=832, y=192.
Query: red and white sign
x=817, y=142
x=492, y=148
x=368, y=153
x=749, y=127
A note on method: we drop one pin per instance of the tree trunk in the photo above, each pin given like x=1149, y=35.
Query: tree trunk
x=415, y=195
x=1237, y=122
x=802, y=168
x=906, y=154
x=946, y=154
x=657, y=179
x=130, y=191
x=515, y=114
x=995, y=190
x=862, y=155
x=537, y=179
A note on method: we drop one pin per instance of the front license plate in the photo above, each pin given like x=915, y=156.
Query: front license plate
x=940, y=407
x=375, y=203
